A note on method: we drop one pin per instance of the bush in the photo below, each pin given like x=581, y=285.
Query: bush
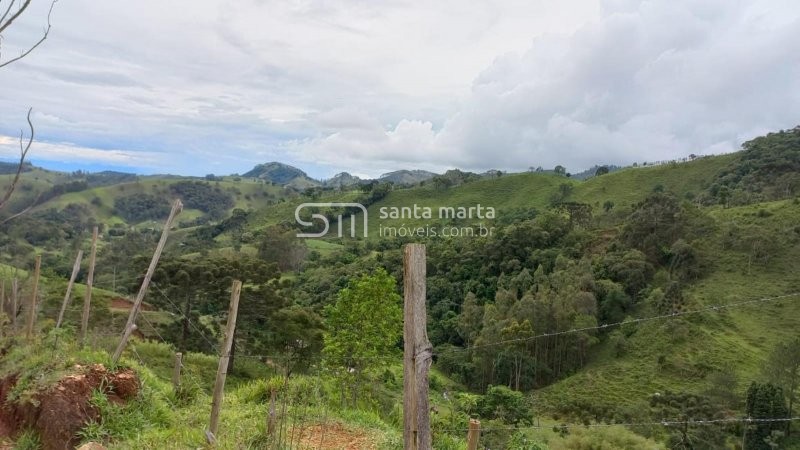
x=504, y=404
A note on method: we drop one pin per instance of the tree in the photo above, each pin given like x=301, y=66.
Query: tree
x=281, y=246
x=602, y=170
x=764, y=401
x=505, y=404
x=363, y=327
x=783, y=370
x=655, y=224
x=608, y=205
x=9, y=17
x=560, y=170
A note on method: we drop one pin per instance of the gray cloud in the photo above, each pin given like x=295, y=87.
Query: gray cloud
x=353, y=85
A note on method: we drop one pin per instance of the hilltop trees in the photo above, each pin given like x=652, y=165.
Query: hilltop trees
x=767, y=169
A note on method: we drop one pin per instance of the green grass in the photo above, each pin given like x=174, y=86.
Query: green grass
x=693, y=347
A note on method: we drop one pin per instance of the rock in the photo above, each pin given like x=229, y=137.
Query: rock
x=92, y=446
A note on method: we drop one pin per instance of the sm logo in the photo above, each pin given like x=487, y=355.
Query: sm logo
x=350, y=209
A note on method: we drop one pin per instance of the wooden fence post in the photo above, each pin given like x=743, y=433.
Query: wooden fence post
x=417, y=351
x=3, y=308
x=222, y=370
x=14, y=305
x=34, y=294
x=176, y=209
x=2, y=304
x=75, y=269
x=271, y=414
x=87, y=299
x=474, y=434
x=176, y=372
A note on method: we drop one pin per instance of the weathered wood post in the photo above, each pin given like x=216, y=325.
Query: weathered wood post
x=14, y=305
x=2, y=304
x=34, y=294
x=176, y=209
x=474, y=434
x=176, y=372
x=222, y=370
x=87, y=298
x=75, y=269
x=271, y=414
x=417, y=351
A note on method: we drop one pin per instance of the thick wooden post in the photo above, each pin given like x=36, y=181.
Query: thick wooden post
x=417, y=351
x=176, y=371
x=474, y=434
x=222, y=370
x=75, y=269
x=87, y=298
x=34, y=294
x=176, y=209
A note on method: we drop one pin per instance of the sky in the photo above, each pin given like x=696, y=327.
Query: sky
x=368, y=87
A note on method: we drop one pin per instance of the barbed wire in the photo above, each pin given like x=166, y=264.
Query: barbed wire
x=713, y=308
x=212, y=345
x=663, y=422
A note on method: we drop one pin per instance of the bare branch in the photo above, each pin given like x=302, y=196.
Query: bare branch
x=14, y=216
x=19, y=12
x=39, y=42
x=5, y=14
x=23, y=150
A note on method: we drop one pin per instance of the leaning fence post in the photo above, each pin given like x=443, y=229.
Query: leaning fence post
x=222, y=370
x=14, y=305
x=75, y=269
x=176, y=209
x=87, y=299
x=34, y=294
x=474, y=434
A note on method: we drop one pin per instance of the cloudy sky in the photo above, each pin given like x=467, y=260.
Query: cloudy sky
x=197, y=87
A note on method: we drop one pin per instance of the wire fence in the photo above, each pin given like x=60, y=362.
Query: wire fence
x=297, y=424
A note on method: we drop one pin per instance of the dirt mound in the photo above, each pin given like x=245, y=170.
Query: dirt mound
x=333, y=436
x=58, y=413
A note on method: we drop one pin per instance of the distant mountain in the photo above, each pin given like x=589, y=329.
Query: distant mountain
x=406, y=176
x=343, y=179
x=282, y=174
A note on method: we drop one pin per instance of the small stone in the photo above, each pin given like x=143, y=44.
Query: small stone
x=92, y=446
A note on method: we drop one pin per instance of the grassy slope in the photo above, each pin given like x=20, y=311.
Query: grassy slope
x=696, y=346
x=246, y=193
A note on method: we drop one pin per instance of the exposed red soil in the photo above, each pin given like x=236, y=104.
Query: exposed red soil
x=125, y=304
x=58, y=413
x=332, y=436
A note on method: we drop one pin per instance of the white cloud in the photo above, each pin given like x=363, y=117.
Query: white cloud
x=65, y=152
x=648, y=80
x=370, y=87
